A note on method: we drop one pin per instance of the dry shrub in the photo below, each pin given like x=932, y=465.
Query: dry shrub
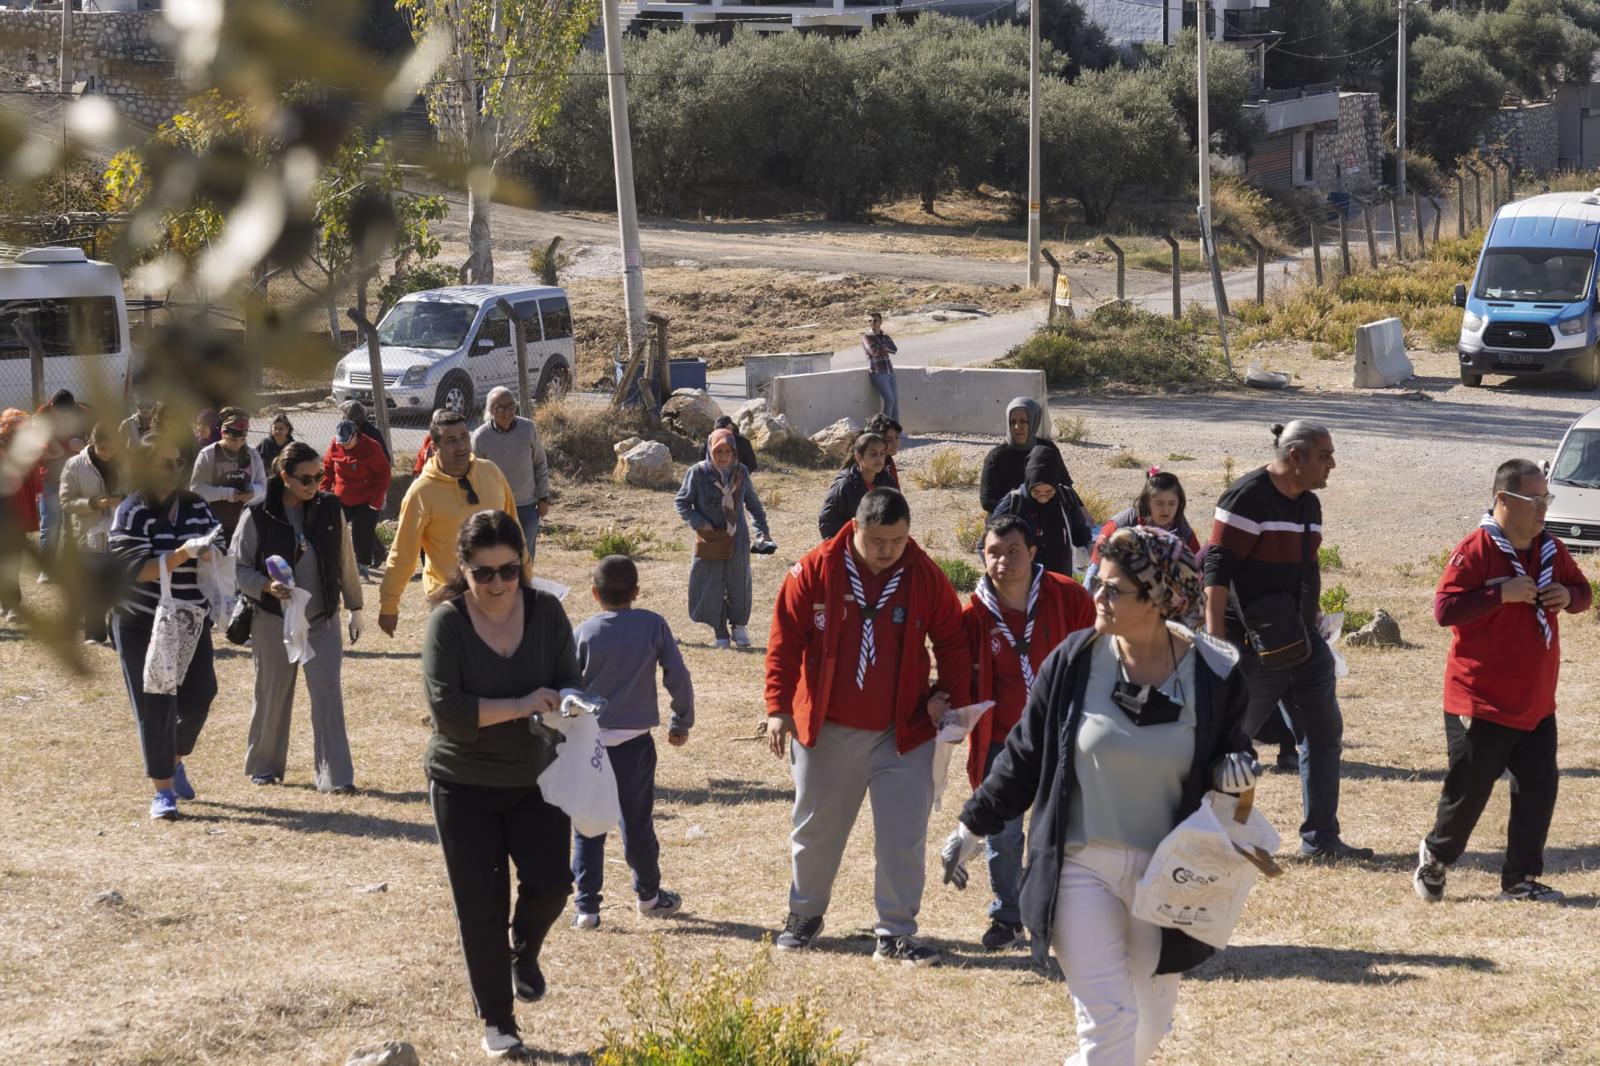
x=1241, y=210
x=578, y=438
x=1099, y=506
x=1126, y=461
x=947, y=470
x=1118, y=344
x=635, y=542
x=969, y=532
x=1074, y=430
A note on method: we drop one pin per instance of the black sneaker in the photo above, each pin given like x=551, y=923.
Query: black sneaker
x=502, y=1041
x=1288, y=761
x=1002, y=935
x=906, y=950
x=1337, y=852
x=663, y=905
x=1531, y=891
x=1429, y=878
x=798, y=933
x=527, y=980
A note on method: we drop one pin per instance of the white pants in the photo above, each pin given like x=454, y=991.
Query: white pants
x=1109, y=959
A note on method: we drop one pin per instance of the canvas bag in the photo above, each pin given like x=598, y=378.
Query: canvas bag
x=174, y=635
x=580, y=781
x=1201, y=874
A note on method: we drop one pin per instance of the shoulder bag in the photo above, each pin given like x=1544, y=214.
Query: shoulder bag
x=1274, y=625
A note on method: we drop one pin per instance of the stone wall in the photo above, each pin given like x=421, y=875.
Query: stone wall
x=1349, y=153
x=1529, y=135
x=122, y=55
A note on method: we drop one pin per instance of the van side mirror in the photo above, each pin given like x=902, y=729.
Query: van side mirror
x=1544, y=467
x=1461, y=295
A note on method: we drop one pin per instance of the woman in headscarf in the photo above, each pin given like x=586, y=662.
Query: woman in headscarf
x=1161, y=503
x=715, y=495
x=1125, y=728
x=864, y=471
x=1046, y=500
x=1005, y=465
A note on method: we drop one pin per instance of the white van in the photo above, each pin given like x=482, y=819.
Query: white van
x=446, y=348
x=1574, y=515
x=76, y=306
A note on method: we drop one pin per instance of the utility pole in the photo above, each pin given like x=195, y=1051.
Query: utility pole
x=627, y=210
x=1035, y=167
x=1400, y=113
x=1203, y=126
x=66, y=46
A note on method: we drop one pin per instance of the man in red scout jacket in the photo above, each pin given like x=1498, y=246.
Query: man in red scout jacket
x=1501, y=594
x=847, y=677
x=1017, y=615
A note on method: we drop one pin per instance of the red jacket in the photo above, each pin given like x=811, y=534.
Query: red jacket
x=424, y=453
x=1499, y=669
x=803, y=649
x=358, y=474
x=1064, y=607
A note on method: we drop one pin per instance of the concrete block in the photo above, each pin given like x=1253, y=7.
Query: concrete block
x=932, y=399
x=1381, y=359
x=759, y=370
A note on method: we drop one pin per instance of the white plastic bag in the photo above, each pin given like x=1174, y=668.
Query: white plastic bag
x=1198, y=879
x=954, y=726
x=220, y=583
x=580, y=781
x=1331, y=626
x=174, y=635
x=296, y=630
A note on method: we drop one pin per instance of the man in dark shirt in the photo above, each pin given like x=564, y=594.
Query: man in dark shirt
x=1263, y=546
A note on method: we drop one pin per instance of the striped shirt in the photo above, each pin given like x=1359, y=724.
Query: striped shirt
x=1263, y=542
x=879, y=347
x=140, y=533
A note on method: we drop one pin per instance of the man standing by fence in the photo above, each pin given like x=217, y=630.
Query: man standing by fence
x=879, y=346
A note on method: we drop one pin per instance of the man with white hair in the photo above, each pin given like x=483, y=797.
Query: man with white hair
x=512, y=443
x=1263, y=588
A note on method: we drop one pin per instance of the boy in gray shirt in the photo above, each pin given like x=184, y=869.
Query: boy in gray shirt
x=619, y=650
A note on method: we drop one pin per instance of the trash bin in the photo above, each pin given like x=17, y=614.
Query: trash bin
x=686, y=374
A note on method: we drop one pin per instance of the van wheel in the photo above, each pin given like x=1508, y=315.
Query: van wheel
x=554, y=385
x=1589, y=376
x=1470, y=379
x=455, y=394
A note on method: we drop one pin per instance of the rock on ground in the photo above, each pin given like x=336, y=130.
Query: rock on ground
x=1382, y=632
x=691, y=412
x=766, y=431
x=388, y=1053
x=647, y=465
x=836, y=440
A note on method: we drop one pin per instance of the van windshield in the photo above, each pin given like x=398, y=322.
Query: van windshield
x=1579, y=460
x=416, y=324
x=1535, y=275
x=73, y=325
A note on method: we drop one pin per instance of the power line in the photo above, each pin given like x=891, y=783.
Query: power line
x=1341, y=55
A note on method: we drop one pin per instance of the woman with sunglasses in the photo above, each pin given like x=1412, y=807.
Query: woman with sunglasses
x=229, y=474
x=307, y=529
x=1126, y=727
x=496, y=653
x=161, y=526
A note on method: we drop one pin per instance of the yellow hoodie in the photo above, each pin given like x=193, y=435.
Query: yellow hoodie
x=431, y=516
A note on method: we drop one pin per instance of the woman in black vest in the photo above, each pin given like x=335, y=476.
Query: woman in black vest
x=305, y=528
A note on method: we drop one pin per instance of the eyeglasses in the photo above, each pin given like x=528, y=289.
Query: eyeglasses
x=472, y=495
x=307, y=480
x=1538, y=501
x=482, y=575
x=1108, y=592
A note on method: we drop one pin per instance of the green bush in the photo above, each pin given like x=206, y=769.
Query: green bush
x=1125, y=461
x=416, y=278
x=1123, y=345
x=1328, y=558
x=633, y=542
x=1337, y=599
x=710, y=1015
x=962, y=574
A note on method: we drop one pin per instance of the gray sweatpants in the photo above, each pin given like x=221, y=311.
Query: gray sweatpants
x=267, y=749
x=830, y=781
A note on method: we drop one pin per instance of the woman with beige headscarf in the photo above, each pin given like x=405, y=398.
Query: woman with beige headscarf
x=715, y=495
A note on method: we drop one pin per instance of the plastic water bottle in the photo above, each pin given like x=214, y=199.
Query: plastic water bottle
x=279, y=570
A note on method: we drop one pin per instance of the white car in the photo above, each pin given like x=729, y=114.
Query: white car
x=446, y=348
x=1574, y=516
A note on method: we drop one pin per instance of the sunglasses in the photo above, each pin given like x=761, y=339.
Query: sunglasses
x=307, y=480
x=472, y=495
x=482, y=575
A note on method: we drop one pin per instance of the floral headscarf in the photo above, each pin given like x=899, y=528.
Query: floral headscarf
x=1162, y=566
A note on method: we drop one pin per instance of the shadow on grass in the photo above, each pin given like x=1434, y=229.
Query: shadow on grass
x=344, y=823
x=580, y=1058
x=724, y=791
x=1349, y=769
x=363, y=653
x=1341, y=966
x=361, y=792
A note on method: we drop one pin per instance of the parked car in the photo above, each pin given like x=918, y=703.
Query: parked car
x=448, y=347
x=1574, y=515
x=76, y=307
x=1531, y=308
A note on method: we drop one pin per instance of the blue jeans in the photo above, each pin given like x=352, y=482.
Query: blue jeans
x=890, y=392
x=1310, y=697
x=634, y=763
x=1004, y=852
x=528, y=518
x=49, y=519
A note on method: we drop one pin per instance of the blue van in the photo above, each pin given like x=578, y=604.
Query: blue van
x=1531, y=308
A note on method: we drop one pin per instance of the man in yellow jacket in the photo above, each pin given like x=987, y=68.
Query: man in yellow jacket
x=453, y=486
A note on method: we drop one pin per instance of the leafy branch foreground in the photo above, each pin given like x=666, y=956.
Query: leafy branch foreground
x=710, y=1016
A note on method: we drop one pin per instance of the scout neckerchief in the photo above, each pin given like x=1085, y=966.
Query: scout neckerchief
x=1547, y=567
x=869, y=646
x=986, y=596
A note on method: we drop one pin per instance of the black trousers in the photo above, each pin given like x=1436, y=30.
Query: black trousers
x=102, y=589
x=363, y=533
x=169, y=726
x=480, y=828
x=1480, y=752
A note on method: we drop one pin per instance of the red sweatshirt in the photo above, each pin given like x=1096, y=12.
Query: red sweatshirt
x=358, y=474
x=1498, y=668
x=1064, y=607
x=806, y=649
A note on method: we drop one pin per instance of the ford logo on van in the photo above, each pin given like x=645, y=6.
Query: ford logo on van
x=1577, y=531
x=1518, y=335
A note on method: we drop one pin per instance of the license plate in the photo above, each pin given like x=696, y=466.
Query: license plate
x=1517, y=358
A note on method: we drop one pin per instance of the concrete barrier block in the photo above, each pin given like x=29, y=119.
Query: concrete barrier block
x=1381, y=359
x=932, y=399
x=759, y=370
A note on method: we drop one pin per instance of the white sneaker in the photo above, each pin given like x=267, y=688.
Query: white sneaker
x=721, y=642
x=585, y=920
x=741, y=636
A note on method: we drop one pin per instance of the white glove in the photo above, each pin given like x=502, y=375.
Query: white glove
x=356, y=626
x=1236, y=773
x=198, y=547
x=959, y=846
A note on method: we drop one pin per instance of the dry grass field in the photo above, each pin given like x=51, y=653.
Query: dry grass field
x=250, y=931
